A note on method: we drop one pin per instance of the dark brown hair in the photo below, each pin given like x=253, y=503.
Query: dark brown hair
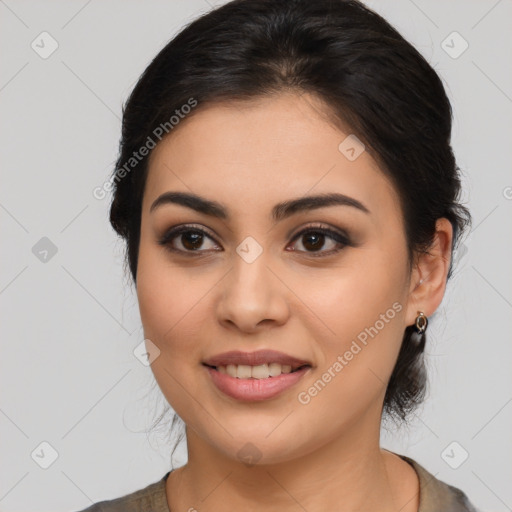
x=357, y=64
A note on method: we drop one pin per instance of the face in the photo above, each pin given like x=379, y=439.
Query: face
x=327, y=284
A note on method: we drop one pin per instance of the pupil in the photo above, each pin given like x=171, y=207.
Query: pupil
x=192, y=240
x=319, y=237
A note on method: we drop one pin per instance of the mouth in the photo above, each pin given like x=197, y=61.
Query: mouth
x=254, y=389
x=255, y=376
x=260, y=364
x=262, y=371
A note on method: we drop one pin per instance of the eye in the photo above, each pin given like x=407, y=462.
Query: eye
x=314, y=238
x=189, y=238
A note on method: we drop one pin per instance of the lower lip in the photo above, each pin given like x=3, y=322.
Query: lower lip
x=255, y=389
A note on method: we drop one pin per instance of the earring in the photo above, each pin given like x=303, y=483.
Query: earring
x=421, y=323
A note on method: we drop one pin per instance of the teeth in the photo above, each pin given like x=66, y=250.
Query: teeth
x=259, y=372
x=230, y=370
x=274, y=369
x=262, y=371
x=243, y=371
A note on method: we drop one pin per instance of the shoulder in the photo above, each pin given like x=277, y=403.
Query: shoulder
x=437, y=495
x=149, y=499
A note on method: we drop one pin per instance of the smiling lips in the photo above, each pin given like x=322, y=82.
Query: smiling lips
x=259, y=357
x=255, y=376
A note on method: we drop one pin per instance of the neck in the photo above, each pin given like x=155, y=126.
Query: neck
x=349, y=473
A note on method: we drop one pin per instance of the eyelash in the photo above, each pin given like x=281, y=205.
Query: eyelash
x=338, y=237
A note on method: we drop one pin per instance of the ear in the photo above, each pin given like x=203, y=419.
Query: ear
x=428, y=277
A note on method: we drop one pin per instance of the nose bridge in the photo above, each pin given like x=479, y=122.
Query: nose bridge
x=251, y=292
x=250, y=267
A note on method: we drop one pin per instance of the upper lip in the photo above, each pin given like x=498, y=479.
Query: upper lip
x=256, y=358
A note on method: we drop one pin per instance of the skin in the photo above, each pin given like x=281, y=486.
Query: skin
x=250, y=156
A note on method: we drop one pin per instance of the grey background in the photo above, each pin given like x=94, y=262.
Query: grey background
x=69, y=324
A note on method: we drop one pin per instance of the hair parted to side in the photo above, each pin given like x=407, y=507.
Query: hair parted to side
x=368, y=76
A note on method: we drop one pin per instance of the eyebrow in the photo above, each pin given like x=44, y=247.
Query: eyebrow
x=279, y=212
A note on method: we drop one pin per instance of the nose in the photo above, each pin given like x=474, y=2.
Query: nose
x=252, y=297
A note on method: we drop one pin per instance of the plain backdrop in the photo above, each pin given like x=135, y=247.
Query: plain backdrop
x=74, y=397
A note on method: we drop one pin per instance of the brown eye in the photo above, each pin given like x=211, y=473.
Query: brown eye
x=185, y=239
x=191, y=240
x=313, y=240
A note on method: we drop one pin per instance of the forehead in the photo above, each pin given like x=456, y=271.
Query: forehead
x=248, y=155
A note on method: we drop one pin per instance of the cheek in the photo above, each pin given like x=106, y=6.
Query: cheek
x=174, y=308
x=168, y=300
x=363, y=305
x=161, y=291
x=357, y=361
x=162, y=294
x=172, y=315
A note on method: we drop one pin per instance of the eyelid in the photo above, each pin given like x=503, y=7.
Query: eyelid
x=326, y=228
x=192, y=227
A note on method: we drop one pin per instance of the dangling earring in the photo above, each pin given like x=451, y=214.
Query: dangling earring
x=421, y=323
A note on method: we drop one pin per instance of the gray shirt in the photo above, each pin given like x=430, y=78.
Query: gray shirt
x=435, y=496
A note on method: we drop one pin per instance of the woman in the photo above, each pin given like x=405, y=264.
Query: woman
x=289, y=200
